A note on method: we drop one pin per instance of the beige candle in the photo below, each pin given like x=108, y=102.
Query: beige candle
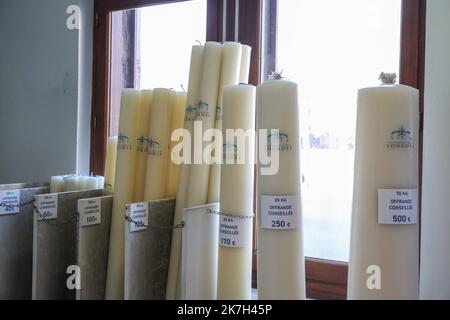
x=231, y=67
x=206, y=113
x=56, y=184
x=144, y=127
x=158, y=145
x=178, y=110
x=123, y=190
x=384, y=252
x=173, y=281
x=110, y=165
x=245, y=64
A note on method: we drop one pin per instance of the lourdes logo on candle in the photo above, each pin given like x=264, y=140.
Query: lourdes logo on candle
x=203, y=109
x=282, y=138
x=219, y=113
x=189, y=115
x=230, y=153
x=401, y=139
x=154, y=147
x=123, y=142
x=142, y=144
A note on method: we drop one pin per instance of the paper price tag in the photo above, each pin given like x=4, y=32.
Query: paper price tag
x=11, y=197
x=47, y=206
x=279, y=212
x=397, y=206
x=235, y=232
x=90, y=212
x=139, y=213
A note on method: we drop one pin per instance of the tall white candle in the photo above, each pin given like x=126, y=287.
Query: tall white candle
x=173, y=280
x=281, y=266
x=245, y=64
x=82, y=182
x=206, y=113
x=123, y=190
x=384, y=258
x=91, y=183
x=71, y=183
x=144, y=127
x=158, y=145
x=110, y=165
x=236, y=193
x=231, y=67
x=178, y=110
x=56, y=184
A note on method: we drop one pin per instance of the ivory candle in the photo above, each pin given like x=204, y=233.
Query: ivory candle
x=82, y=182
x=110, y=166
x=178, y=110
x=71, y=183
x=158, y=145
x=173, y=280
x=123, y=190
x=234, y=280
x=91, y=183
x=384, y=252
x=281, y=265
x=144, y=127
x=245, y=64
x=206, y=113
x=231, y=67
x=56, y=184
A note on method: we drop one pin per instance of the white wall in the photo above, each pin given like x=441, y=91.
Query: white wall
x=435, y=255
x=44, y=95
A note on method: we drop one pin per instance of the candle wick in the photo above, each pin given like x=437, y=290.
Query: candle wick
x=388, y=78
x=276, y=75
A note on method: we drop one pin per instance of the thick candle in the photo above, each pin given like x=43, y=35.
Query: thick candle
x=91, y=183
x=144, y=127
x=384, y=258
x=56, y=184
x=281, y=265
x=110, y=166
x=245, y=64
x=231, y=67
x=158, y=145
x=123, y=190
x=173, y=280
x=71, y=183
x=178, y=110
x=206, y=113
x=236, y=193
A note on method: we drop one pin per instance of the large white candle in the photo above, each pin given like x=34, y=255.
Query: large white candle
x=158, y=145
x=281, y=266
x=56, y=184
x=71, y=183
x=123, y=190
x=206, y=113
x=178, y=110
x=110, y=165
x=384, y=254
x=173, y=280
x=231, y=67
x=245, y=64
x=144, y=127
x=235, y=262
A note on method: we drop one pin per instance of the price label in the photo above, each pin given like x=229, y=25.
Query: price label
x=397, y=206
x=138, y=212
x=279, y=212
x=47, y=206
x=9, y=198
x=235, y=232
x=90, y=211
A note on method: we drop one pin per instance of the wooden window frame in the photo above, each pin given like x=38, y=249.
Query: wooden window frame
x=325, y=279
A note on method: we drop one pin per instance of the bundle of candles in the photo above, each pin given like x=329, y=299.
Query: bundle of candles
x=75, y=182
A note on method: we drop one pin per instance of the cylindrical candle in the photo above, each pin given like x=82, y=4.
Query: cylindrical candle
x=236, y=193
x=100, y=182
x=110, y=165
x=245, y=64
x=178, y=110
x=82, y=182
x=158, y=145
x=384, y=251
x=206, y=113
x=144, y=127
x=91, y=183
x=281, y=265
x=56, y=184
x=123, y=190
x=231, y=66
x=173, y=280
x=71, y=183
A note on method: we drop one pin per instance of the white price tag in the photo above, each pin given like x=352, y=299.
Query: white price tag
x=235, y=232
x=397, y=206
x=279, y=212
x=138, y=212
x=47, y=206
x=90, y=211
x=11, y=197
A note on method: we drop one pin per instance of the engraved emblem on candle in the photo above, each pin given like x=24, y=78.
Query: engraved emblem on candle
x=219, y=113
x=203, y=109
x=230, y=153
x=281, y=137
x=142, y=144
x=401, y=139
x=154, y=147
x=190, y=114
x=124, y=142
